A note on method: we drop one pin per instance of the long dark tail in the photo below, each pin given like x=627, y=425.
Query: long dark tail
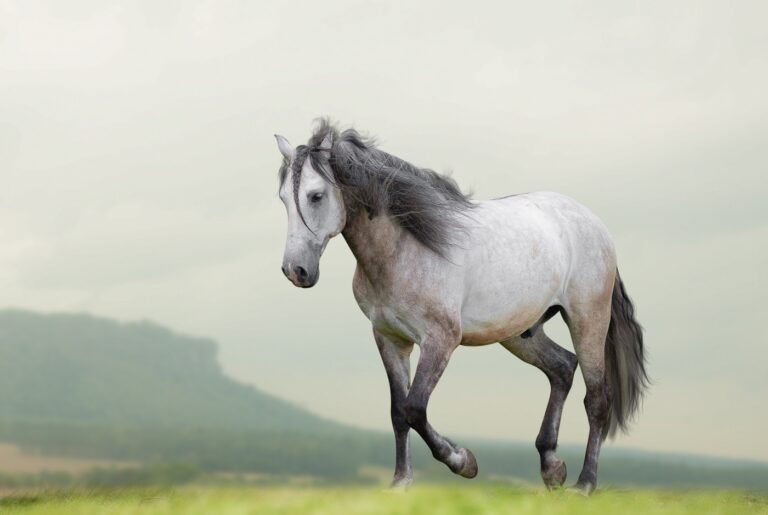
x=625, y=375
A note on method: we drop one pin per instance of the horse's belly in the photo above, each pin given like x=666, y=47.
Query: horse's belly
x=501, y=309
x=485, y=327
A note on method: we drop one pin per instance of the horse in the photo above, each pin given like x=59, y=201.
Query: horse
x=437, y=269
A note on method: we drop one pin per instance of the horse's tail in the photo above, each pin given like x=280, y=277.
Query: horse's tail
x=625, y=376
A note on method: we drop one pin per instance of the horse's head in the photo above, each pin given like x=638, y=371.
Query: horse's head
x=316, y=212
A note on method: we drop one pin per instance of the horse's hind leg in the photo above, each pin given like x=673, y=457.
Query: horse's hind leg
x=559, y=366
x=396, y=357
x=588, y=325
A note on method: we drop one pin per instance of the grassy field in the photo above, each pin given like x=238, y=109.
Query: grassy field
x=433, y=500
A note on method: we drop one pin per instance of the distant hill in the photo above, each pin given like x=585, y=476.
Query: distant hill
x=87, y=387
x=79, y=385
x=85, y=369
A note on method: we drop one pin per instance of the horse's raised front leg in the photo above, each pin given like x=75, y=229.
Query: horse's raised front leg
x=435, y=353
x=396, y=357
x=559, y=366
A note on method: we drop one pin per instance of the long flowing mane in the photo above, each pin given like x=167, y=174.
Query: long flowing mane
x=426, y=203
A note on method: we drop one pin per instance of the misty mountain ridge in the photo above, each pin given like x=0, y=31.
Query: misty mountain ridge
x=86, y=369
x=83, y=386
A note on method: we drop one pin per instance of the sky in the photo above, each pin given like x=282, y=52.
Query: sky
x=139, y=181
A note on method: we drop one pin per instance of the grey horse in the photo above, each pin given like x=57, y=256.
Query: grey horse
x=438, y=269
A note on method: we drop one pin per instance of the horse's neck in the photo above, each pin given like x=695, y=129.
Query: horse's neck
x=374, y=243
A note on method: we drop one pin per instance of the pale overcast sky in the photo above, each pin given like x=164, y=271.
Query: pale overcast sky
x=139, y=180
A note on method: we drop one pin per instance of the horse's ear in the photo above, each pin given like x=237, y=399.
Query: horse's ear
x=327, y=141
x=285, y=148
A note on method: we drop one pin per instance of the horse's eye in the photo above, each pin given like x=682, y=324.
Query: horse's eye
x=317, y=197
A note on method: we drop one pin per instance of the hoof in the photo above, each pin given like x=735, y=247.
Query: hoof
x=555, y=475
x=400, y=484
x=584, y=488
x=469, y=470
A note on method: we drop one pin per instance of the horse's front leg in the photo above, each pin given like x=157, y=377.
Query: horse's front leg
x=435, y=353
x=396, y=357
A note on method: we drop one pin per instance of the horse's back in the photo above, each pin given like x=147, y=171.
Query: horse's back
x=524, y=252
x=582, y=236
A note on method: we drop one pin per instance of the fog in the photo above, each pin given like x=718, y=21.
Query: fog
x=139, y=179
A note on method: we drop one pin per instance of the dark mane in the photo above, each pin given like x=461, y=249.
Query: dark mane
x=427, y=204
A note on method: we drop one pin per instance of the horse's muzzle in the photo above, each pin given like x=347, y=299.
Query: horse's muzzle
x=300, y=277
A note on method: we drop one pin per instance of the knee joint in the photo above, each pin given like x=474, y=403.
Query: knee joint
x=415, y=414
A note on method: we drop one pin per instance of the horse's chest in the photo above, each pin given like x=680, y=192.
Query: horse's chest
x=399, y=316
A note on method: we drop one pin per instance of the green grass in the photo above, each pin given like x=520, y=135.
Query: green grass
x=432, y=500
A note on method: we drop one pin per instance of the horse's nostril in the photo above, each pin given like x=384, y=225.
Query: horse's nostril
x=301, y=273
